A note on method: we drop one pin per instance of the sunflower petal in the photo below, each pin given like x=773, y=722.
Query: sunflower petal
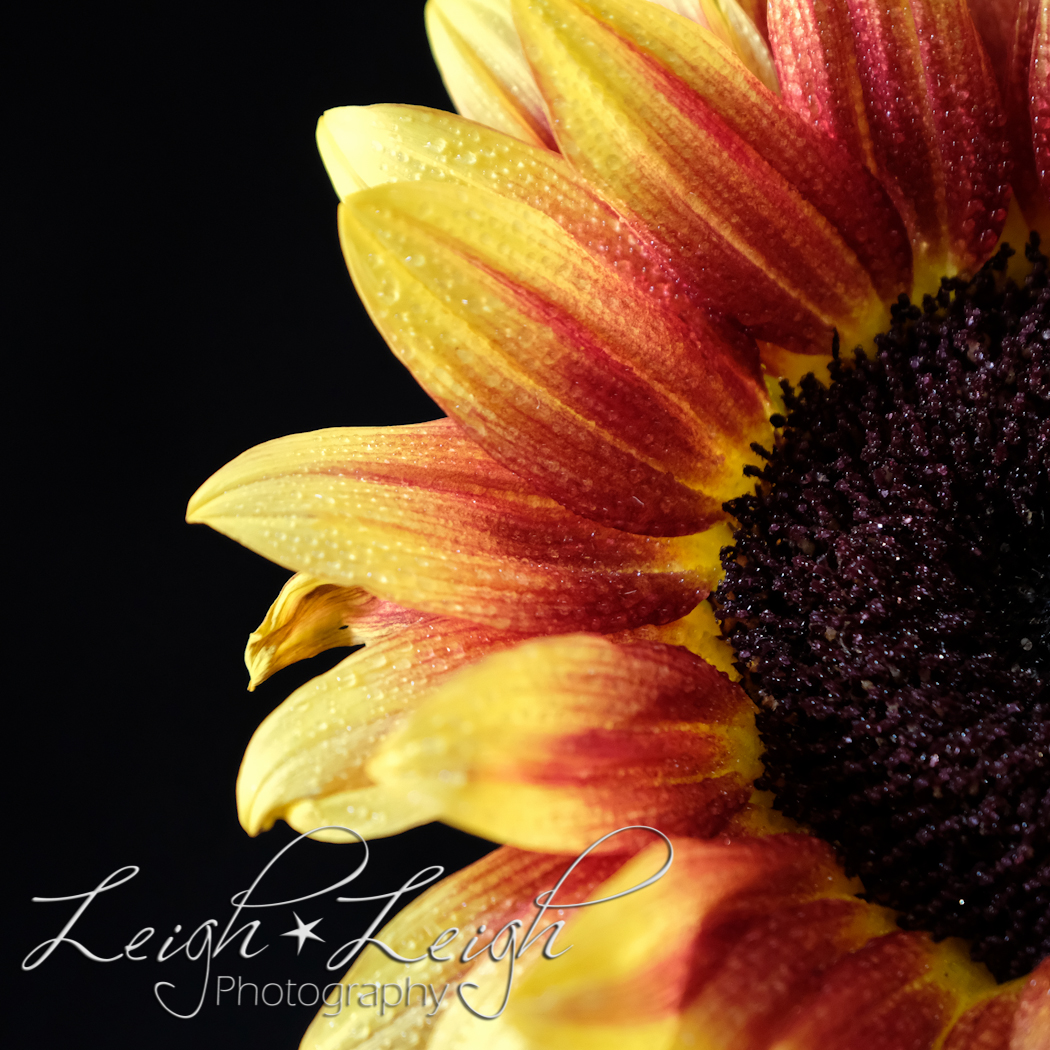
x=478, y=52
x=496, y=890
x=560, y=740
x=1032, y=1023
x=306, y=762
x=930, y=119
x=986, y=1026
x=737, y=27
x=817, y=67
x=1039, y=87
x=897, y=990
x=640, y=965
x=697, y=631
x=420, y=516
x=1007, y=28
x=365, y=146
x=622, y=415
x=772, y=222
x=744, y=945
x=310, y=616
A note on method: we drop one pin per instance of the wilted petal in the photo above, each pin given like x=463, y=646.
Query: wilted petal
x=1039, y=88
x=306, y=762
x=560, y=740
x=542, y=329
x=770, y=221
x=930, y=122
x=310, y=616
x=421, y=516
x=478, y=52
x=496, y=890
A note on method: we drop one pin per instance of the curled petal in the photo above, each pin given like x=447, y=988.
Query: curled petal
x=1039, y=88
x=552, y=744
x=629, y=416
x=765, y=217
x=478, y=52
x=310, y=616
x=907, y=87
x=306, y=762
x=421, y=516
x=493, y=892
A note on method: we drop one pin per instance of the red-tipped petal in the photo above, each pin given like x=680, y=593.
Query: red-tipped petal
x=772, y=222
x=931, y=119
x=813, y=48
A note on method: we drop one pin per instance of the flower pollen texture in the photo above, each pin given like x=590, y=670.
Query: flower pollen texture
x=887, y=597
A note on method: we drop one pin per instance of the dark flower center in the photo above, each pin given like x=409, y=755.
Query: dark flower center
x=888, y=598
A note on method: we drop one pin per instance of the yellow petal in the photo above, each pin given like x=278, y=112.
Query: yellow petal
x=421, y=516
x=364, y=146
x=558, y=741
x=605, y=411
x=306, y=762
x=500, y=312
x=744, y=945
x=478, y=52
x=492, y=892
x=310, y=616
x=636, y=961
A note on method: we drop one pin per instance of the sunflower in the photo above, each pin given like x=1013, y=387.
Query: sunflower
x=735, y=527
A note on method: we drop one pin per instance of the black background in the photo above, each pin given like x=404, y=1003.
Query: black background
x=175, y=295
